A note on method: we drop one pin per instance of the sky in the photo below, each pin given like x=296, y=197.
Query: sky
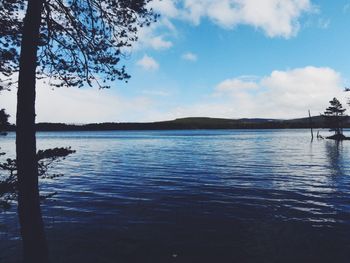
x=219, y=58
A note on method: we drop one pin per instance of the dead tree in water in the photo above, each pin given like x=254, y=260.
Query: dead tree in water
x=311, y=127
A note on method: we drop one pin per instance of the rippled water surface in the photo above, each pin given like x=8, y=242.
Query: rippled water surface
x=193, y=196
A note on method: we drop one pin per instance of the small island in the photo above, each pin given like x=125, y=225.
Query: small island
x=335, y=119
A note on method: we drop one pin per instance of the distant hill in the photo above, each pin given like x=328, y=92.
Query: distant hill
x=191, y=123
x=258, y=120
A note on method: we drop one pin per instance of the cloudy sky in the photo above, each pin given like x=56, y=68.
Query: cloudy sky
x=220, y=58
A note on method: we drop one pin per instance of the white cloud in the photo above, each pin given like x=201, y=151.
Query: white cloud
x=148, y=63
x=156, y=36
x=233, y=85
x=149, y=37
x=158, y=42
x=277, y=18
x=158, y=93
x=282, y=94
x=85, y=105
x=165, y=7
x=189, y=56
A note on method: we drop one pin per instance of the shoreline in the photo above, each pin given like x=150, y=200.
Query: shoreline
x=192, y=123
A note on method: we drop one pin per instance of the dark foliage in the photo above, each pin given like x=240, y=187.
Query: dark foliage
x=10, y=39
x=8, y=168
x=8, y=174
x=335, y=117
x=67, y=43
x=78, y=39
x=3, y=124
x=3, y=120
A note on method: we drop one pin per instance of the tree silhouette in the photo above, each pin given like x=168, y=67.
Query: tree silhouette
x=68, y=43
x=3, y=124
x=8, y=174
x=3, y=120
x=334, y=116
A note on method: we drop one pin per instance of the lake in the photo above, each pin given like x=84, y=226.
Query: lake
x=193, y=196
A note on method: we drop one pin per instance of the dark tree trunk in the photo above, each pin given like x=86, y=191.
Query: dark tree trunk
x=31, y=223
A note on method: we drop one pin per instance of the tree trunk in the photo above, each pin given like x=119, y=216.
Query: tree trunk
x=31, y=223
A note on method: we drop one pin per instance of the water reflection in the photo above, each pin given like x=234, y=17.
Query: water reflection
x=335, y=157
x=225, y=196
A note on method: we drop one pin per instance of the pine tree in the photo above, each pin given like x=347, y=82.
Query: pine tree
x=335, y=116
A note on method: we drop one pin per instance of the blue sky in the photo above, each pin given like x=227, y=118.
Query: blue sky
x=220, y=58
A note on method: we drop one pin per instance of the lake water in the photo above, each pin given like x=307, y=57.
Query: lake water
x=193, y=196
